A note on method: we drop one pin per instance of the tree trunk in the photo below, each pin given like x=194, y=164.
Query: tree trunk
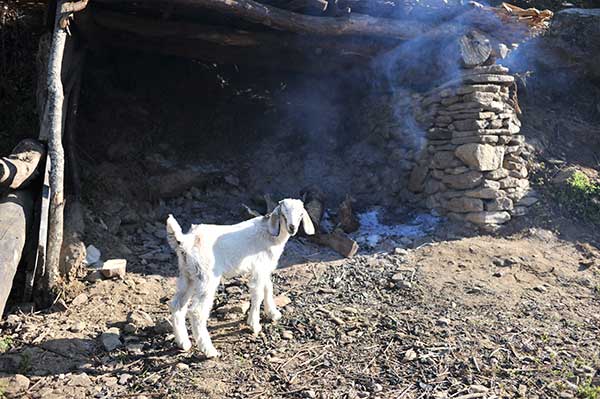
x=21, y=166
x=54, y=110
x=15, y=216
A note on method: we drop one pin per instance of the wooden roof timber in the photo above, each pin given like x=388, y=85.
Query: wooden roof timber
x=498, y=22
x=263, y=35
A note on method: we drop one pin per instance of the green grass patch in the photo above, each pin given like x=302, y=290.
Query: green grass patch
x=587, y=391
x=5, y=344
x=581, y=196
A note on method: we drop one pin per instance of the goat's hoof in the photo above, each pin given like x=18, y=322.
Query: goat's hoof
x=212, y=353
x=185, y=346
x=256, y=329
x=275, y=315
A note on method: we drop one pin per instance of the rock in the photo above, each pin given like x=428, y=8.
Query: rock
x=287, y=334
x=135, y=349
x=13, y=320
x=527, y=201
x=80, y=380
x=485, y=193
x=499, y=204
x=310, y=394
x=519, y=211
x=182, y=366
x=282, y=301
x=482, y=157
x=513, y=182
x=138, y=320
x=77, y=327
x=164, y=326
x=13, y=386
x=123, y=378
x=463, y=181
x=488, y=217
x=443, y=322
x=497, y=174
x=397, y=277
x=417, y=178
x=465, y=204
x=540, y=288
x=444, y=160
x=233, y=308
x=478, y=389
x=410, y=355
x=377, y=388
x=92, y=255
x=80, y=299
x=110, y=339
x=114, y=268
x=469, y=124
x=400, y=251
x=404, y=284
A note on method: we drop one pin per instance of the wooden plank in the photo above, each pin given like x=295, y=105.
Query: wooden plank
x=40, y=257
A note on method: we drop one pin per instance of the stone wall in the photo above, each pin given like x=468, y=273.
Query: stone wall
x=475, y=166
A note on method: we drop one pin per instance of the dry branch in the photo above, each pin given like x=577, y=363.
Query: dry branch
x=21, y=166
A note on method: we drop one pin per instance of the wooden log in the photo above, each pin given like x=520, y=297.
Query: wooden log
x=475, y=48
x=338, y=241
x=346, y=219
x=276, y=18
x=16, y=210
x=19, y=168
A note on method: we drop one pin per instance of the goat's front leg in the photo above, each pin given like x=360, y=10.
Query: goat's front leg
x=270, y=307
x=179, y=308
x=257, y=294
x=199, y=313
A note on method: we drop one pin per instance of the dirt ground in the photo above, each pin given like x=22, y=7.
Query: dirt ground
x=478, y=317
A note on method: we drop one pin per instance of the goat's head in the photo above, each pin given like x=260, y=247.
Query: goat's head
x=290, y=213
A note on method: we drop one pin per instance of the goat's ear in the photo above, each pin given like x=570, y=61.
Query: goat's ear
x=309, y=228
x=274, y=222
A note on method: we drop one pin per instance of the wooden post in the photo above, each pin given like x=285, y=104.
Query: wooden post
x=54, y=111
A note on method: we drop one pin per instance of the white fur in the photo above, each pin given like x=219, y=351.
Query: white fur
x=208, y=252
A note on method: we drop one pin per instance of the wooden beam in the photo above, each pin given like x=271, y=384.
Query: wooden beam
x=269, y=50
x=279, y=19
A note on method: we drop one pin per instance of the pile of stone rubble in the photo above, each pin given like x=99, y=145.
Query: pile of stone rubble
x=475, y=166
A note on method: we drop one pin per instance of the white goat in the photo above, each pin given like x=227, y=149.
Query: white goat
x=208, y=252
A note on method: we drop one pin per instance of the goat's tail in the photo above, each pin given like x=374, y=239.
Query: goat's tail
x=174, y=233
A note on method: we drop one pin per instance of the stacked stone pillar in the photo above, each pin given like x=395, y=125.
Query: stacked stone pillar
x=475, y=165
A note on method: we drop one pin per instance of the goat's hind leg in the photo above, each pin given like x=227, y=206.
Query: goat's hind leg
x=179, y=307
x=199, y=313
